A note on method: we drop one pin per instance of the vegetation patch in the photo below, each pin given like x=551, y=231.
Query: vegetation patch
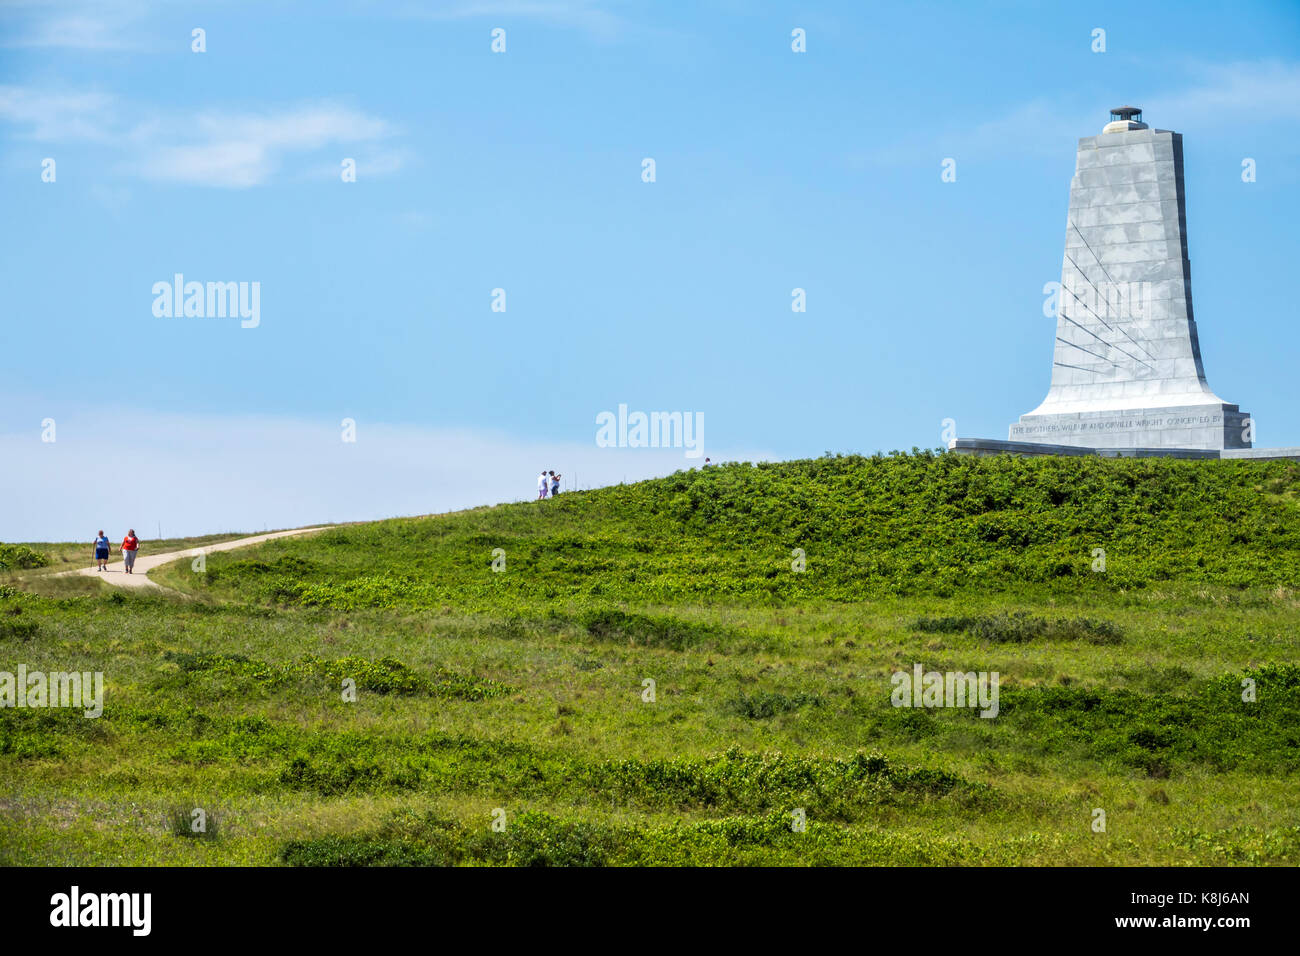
x=34, y=733
x=410, y=839
x=185, y=823
x=16, y=628
x=762, y=704
x=533, y=838
x=753, y=782
x=1214, y=727
x=1019, y=627
x=732, y=781
x=610, y=625
x=384, y=676
x=19, y=557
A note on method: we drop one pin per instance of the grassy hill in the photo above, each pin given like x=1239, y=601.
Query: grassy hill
x=503, y=661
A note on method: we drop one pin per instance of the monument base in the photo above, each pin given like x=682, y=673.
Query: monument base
x=1203, y=426
x=994, y=446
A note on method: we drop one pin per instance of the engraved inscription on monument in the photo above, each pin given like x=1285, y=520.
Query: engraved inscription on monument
x=1055, y=431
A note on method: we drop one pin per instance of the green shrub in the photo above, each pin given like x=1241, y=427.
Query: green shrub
x=764, y=704
x=333, y=776
x=1019, y=627
x=644, y=630
x=361, y=851
x=530, y=839
x=14, y=628
x=182, y=822
x=19, y=557
x=538, y=839
x=757, y=782
x=408, y=838
x=384, y=676
x=1158, y=733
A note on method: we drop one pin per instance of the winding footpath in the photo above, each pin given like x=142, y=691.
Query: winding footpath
x=144, y=563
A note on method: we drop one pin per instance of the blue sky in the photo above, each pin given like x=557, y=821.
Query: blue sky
x=522, y=171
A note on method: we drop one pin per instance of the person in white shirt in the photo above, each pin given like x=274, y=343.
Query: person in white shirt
x=542, y=485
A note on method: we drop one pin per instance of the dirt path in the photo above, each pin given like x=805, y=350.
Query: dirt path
x=144, y=563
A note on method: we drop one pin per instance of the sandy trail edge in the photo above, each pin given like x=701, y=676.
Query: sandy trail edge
x=144, y=563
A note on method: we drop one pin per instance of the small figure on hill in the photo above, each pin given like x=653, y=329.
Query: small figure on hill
x=708, y=463
x=130, y=544
x=101, y=550
x=555, y=484
x=541, y=486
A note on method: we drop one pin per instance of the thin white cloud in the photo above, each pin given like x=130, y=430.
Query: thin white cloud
x=371, y=163
x=233, y=165
x=53, y=116
x=98, y=26
x=1268, y=90
x=237, y=151
x=213, y=148
x=383, y=163
x=304, y=128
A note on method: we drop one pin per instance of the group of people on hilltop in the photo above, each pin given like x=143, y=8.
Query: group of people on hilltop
x=548, y=483
x=130, y=544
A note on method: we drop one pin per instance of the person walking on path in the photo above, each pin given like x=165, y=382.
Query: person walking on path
x=555, y=484
x=101, y=550
x=541, y=486
x=130, y=544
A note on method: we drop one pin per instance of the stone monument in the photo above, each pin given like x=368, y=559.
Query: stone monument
x=1127, y=376
x=1126, y=371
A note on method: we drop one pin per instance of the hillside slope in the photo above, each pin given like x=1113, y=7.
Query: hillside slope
x=868, y=527
x=651, y=680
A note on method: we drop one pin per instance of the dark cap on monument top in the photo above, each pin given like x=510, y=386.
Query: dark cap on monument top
x=1133, y=113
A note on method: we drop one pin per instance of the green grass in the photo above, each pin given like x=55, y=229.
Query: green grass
x=377, y=695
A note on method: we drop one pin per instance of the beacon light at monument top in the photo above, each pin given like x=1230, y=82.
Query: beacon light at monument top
x=1127, y=377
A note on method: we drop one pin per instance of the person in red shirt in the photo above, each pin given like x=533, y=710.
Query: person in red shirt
x=130, y=544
